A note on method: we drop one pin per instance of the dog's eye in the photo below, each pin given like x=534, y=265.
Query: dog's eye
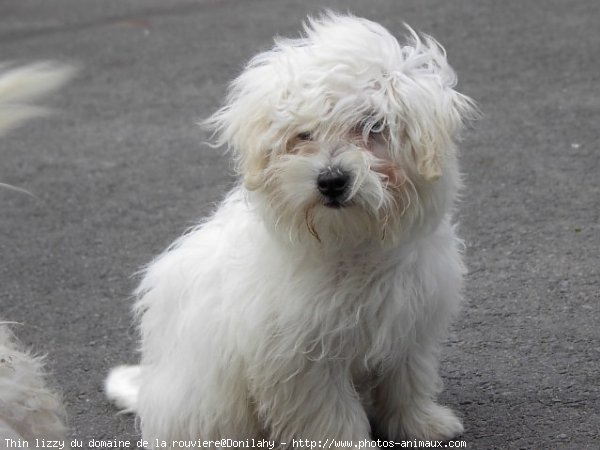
x=370, y=127
x=305, y=136
x=377, y=127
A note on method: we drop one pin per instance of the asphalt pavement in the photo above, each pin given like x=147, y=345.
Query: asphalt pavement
x=122, y=169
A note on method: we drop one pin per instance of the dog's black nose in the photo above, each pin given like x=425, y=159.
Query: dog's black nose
x=333, y=184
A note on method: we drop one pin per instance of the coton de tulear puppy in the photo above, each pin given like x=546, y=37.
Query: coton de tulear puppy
x=313, y=302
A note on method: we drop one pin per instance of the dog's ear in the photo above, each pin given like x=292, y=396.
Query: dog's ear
x=253, y=163
x=244, y=124
x=432, y=130
x=431, y=112
x=243, y=130
x=426, y=157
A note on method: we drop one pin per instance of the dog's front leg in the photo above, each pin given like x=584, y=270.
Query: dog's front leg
x=313, y=407
x=405, y=406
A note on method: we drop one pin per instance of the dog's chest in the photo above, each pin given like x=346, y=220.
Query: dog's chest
x=354, y=312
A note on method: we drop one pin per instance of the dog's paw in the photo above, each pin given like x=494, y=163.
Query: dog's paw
x=432, y=422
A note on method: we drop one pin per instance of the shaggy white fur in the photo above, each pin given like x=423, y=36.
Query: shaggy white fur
x=314, y=300
x=28, y=408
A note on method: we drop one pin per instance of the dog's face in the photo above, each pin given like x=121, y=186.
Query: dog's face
x=344, y=136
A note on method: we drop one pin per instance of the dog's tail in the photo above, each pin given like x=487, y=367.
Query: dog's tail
x=21, y=87
x=122, y=387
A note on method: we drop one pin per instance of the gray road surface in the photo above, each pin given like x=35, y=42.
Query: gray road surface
x=122, y=170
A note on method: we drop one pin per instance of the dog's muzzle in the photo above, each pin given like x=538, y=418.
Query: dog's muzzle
x=333, y=183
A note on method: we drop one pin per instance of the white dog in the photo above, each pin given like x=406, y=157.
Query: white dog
x=313, y=302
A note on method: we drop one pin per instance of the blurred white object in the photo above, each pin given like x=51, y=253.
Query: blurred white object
x=21, y=87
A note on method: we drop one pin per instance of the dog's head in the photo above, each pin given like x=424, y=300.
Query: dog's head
x=344, y=135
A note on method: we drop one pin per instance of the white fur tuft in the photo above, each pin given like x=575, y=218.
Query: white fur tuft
x=21, y=87
x=122, y=387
